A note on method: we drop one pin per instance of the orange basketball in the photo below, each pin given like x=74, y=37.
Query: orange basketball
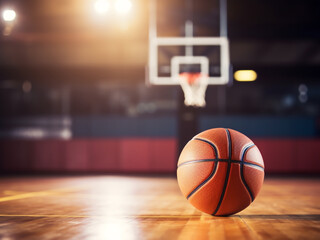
x=220, y=171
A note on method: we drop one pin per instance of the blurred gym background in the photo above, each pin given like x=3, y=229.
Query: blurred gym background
x=73, y=97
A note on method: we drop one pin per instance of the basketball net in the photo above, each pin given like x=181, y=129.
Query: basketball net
x=194, y=86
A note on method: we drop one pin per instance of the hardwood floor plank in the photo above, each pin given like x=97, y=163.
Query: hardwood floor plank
x=121, y=207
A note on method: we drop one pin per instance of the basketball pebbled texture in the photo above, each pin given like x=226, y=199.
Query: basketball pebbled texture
x=220, y=171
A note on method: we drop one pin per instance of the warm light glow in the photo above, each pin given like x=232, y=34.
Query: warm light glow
x=245, y=75
x=123, y=6
x=9, y=15
x=101, y=6
x=65, y=134
x=26, y=86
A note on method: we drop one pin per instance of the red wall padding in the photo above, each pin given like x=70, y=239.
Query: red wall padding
x=290, y=155
x=89, y=155
x=141, y=155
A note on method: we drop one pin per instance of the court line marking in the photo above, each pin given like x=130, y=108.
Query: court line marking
x=37, y=194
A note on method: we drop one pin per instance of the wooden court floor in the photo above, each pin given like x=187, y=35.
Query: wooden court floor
x=124, y=207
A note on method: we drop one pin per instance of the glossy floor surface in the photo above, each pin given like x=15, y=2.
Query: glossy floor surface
x=119, y=207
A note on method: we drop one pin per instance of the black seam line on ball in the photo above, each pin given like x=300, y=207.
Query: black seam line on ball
x=227, y=174
x=221, y=160
x=241, y=171
x=254, y=166
x=204, y=182
x=203, y=160
x=211, y=144
x=213, y=170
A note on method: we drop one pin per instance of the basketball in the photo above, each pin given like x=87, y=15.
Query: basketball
x=220, y=171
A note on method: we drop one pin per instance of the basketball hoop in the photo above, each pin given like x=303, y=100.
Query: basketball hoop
x=194, y=86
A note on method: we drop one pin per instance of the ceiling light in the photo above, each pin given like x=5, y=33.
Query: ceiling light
x=245, y=75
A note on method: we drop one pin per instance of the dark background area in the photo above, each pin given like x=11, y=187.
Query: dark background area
x=69, y=77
